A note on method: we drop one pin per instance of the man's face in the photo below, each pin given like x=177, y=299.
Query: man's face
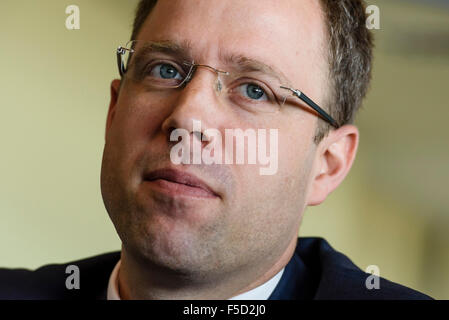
x=252, y=218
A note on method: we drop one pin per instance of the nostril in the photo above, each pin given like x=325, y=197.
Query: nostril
x=170, y=131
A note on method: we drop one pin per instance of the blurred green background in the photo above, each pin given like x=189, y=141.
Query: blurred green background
x=391, y=211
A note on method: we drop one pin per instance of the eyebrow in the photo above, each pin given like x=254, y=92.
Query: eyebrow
x=247, y=64
x=238, y=62
x=181, y=50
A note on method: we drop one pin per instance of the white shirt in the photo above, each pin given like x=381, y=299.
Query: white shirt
x=261, y=292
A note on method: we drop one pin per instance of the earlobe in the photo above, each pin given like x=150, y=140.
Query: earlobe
x=115, y=87
x=333, y=162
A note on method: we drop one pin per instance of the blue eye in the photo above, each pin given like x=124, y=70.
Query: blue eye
x=165, y=71
x=253, y=91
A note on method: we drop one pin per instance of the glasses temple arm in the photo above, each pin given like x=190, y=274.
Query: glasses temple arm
x=314, y=106
x=121, y=67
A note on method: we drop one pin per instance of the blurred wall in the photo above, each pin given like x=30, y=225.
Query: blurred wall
x=391, y=211
x=54, y=98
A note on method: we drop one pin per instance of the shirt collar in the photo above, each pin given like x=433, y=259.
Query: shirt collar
x=261, y=292
x=113, y=292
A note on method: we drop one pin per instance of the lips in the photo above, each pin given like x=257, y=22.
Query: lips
x=179, y=182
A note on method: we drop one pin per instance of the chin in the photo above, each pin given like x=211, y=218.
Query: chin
x=178, y=251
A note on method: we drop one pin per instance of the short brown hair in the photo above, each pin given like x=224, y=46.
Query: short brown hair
x=349, y=56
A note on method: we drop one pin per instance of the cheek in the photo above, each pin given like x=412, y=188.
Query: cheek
x=137, y=115
x=284, y=189
x=124, y=139
x=294, y=152
x=127, y=137
x=138, y=118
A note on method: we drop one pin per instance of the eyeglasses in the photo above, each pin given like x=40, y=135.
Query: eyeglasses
x=159, y=66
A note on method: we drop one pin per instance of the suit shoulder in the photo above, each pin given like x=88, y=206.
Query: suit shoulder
x=340, y=278
x=12, y=280
x=358, y=285
x=48, y=281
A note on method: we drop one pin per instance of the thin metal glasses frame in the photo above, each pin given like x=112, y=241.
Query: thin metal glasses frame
x=295, y=92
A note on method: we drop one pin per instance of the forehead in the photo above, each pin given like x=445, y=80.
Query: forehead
x=288, y=35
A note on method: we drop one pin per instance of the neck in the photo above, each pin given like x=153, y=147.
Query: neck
x=142, y=280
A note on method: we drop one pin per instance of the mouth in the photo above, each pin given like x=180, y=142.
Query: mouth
x=179, y=183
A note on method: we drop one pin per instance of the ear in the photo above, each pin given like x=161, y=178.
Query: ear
x=334, y=158
x=115, y=88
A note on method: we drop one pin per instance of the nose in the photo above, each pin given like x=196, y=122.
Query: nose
x=197, y=101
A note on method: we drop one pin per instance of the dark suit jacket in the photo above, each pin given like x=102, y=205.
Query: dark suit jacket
x=316, y=271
